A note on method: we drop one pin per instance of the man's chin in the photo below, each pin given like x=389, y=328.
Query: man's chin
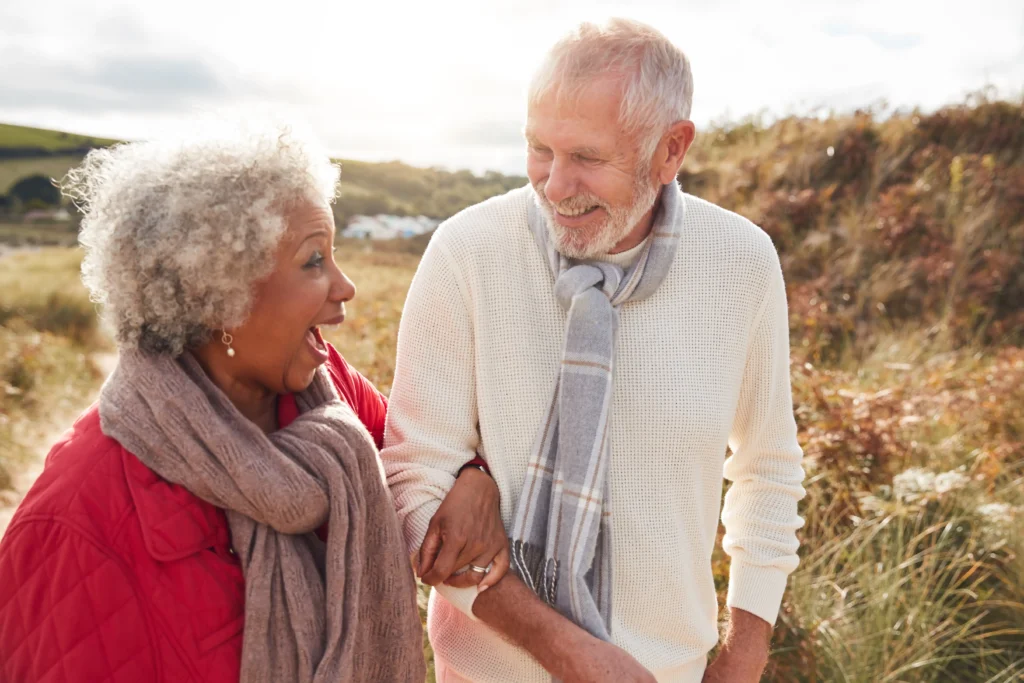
x=580, y=250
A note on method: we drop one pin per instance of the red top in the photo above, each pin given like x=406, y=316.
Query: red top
x=110, y=573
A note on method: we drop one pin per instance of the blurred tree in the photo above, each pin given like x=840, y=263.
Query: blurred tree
x=36, y=187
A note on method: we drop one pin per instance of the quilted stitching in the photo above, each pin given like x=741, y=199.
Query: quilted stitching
x=74, y=620
x=175, y=524
x=110, y=574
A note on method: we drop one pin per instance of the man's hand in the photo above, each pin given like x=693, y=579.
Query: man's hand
x=466, y=529
x=744, y=653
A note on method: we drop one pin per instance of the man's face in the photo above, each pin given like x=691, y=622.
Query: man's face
x=592, y=186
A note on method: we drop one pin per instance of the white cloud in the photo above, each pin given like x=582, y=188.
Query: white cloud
x=443, y=82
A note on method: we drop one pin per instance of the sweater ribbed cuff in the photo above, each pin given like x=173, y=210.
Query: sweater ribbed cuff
x=461, y=598
x=415, y=525
x=757, y=590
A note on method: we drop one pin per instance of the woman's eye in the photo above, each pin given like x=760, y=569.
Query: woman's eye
x=316, y=260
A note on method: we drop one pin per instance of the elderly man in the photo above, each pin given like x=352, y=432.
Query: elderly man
x=601, y=339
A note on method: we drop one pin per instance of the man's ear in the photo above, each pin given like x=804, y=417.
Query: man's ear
x=672, y=149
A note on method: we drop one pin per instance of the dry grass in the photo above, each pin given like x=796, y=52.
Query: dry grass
x=368, y=337
x=42, y=289
x=38, y=234
x=48, y=333
x=903, y=253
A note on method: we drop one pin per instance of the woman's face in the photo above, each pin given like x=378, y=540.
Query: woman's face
x=279, y=346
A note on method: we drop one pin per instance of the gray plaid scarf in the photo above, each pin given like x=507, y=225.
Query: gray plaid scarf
x=560, y=535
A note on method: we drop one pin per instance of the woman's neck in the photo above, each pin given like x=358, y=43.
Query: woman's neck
x=255, y=403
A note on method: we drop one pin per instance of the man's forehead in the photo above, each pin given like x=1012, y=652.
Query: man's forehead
x=597, y=103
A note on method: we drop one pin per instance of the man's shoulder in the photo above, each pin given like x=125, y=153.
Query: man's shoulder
x=720, y=230
x=490, y=221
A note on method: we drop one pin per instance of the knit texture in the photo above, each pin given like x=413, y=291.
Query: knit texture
x=559, y=542
x=314, y=612
x=702, y=372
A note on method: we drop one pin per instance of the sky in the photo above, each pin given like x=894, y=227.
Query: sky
x=443, y=82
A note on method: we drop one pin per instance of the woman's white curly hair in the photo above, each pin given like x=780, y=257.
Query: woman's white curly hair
x=176, y=233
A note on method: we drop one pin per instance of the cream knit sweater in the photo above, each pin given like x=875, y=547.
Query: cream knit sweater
x=701, y=365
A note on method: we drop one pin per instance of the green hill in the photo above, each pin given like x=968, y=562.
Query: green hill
x=50, y=141
x=367, y=188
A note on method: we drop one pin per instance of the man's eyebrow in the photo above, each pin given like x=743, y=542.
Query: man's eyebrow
x=531, y=138
x=587, y=151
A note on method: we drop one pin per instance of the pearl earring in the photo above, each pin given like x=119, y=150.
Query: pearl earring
x=227, y=339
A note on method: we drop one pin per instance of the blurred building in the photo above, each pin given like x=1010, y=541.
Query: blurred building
x=385, y=227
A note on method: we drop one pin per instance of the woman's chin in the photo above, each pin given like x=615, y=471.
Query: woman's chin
x=297, y=380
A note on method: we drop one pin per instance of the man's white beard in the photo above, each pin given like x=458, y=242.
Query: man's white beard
x=589, y=243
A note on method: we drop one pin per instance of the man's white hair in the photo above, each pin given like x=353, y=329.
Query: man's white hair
x=177, y=232
x=658, y=85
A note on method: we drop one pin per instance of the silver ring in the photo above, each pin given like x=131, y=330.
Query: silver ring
x=478, y=570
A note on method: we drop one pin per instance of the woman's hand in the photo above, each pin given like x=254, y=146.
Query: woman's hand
x=466, y=530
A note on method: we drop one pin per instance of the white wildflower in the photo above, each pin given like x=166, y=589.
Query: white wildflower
x=871, y=504
x=916, y=483
x=950, y=481
x=910, y=484
x=996, y=513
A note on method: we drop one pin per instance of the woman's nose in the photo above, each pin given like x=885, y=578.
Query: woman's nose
x=342, y=289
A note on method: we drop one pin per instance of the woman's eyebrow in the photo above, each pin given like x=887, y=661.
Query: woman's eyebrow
x=316, y=233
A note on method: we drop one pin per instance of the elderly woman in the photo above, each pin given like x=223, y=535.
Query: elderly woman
x=220, y=514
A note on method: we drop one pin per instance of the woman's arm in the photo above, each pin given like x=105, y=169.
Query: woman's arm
x=467, y=528
x=69, y=610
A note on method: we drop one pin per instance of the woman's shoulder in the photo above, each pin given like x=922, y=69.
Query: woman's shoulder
x=60, y=568
x=82, y=484
x=362, y=396
x=99, y=490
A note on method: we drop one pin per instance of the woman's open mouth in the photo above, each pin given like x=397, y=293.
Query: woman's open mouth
x=317, y=345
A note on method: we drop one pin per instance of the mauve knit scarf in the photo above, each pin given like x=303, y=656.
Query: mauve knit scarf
x=314, y=612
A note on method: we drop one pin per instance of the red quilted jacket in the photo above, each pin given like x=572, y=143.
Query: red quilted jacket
x=109, y=573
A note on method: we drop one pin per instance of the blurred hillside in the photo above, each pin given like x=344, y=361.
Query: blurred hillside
x=368, y=188
x=913, y=221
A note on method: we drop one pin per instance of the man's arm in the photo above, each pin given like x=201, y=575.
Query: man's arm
x=431, y=432
x=760, y=511
x=744, y=651
x=431, y=426
x=565, y=650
